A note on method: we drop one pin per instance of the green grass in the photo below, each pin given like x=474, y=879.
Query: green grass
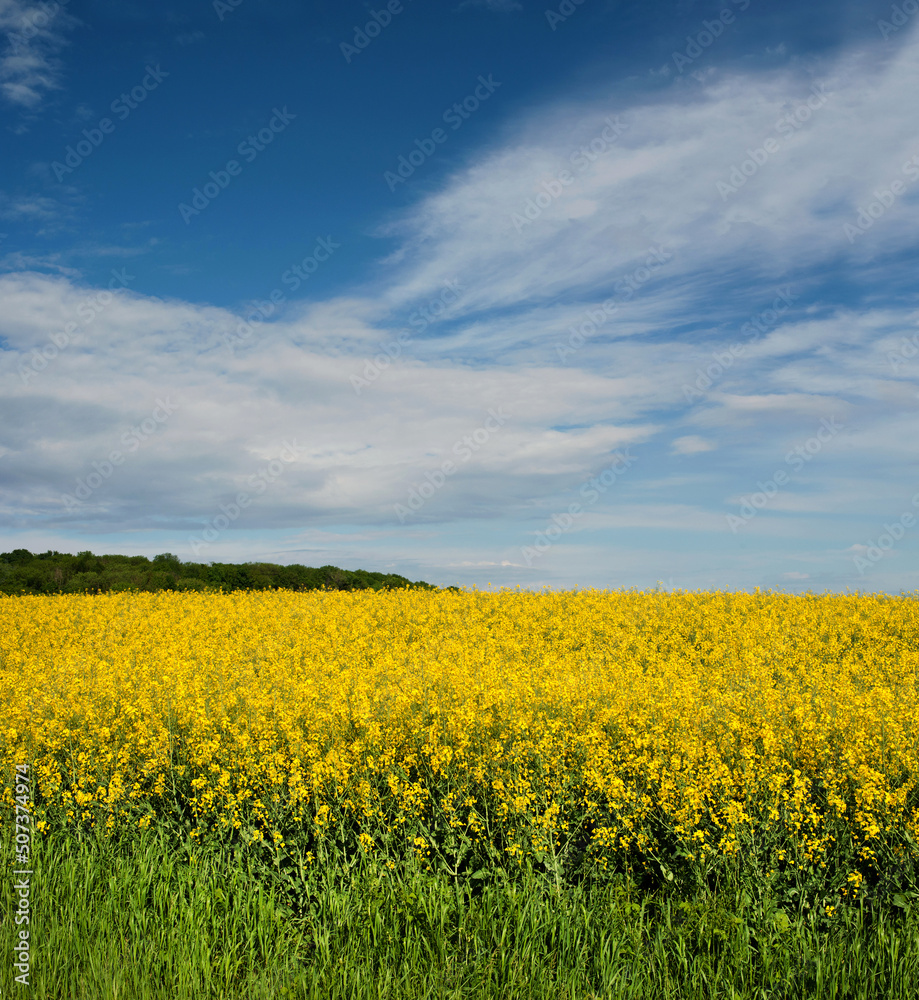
x=142, y=920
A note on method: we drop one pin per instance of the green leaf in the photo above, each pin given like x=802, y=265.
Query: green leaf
x=781, y=921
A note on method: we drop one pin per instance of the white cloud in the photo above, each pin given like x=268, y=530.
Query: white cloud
x=28, y=209
x=525, y=289
x=691, y=444
x=29, y=66
x=356, y=455
x=19, y=261
x=657, y=184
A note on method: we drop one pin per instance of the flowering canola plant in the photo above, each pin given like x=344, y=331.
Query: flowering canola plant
x=605, y=728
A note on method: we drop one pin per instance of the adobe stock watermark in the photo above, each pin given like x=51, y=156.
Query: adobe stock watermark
x=454, y=116
x=258, y=483
x=294, y=276
x=34, y=21
x=561, y=14
x=86, y=311
x=77, y=153
x=379, y=19
x=711, y=30
x=224, y=7
x=464, y=448
x=724, y=360
x=132, y=439
x=248, y=149
x=900, y=13
x=786, y=126
x=22, y=887
x=420, y=320
x=883, y=200
x=753, y=503
x=873, y=552
x=909, y=348
x=625, y=288
x=590, y=492
x=580, y=159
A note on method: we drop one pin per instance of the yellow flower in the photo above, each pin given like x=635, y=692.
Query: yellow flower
x=716, y=715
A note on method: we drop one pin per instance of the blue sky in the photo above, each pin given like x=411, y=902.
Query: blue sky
x=488, y=293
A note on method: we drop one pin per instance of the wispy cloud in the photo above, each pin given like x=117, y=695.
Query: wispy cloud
x=586, y=241
x=34, y=207
x=29, y=63
x=659, y=184
x=19, y=261
x=691, y=444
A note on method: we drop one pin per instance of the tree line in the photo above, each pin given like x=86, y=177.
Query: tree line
x=22, y=572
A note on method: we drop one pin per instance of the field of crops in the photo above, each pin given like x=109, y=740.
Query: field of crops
x=679, y=741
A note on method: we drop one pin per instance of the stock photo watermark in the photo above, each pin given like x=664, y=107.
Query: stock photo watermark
x=258, y=483
x=751, y=504
x=883, y=200
x=79, y=152
x=86, y=311
x=900, y=13
x=34, y=21
x=224, y=7
x=867, y=555
x=561, y=13
x=454, y=116
x=379, y=19
x=420, y=319
x=581, y=159
x=724, y=360
x=248, y=149
x=590, y=492
x=909, y=348
x=132, y=439
x=463, y=448
x=786, y=127
x=294, y=276
x=597, y=316
x=22, y=887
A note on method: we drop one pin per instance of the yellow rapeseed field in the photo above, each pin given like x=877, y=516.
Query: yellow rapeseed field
x=634, y=728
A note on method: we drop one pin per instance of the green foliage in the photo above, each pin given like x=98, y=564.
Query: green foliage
x=22, y=572
x=146, y=917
